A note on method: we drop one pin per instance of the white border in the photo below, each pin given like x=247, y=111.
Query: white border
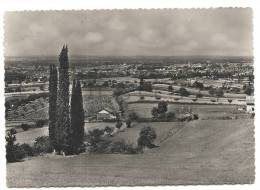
x=18, y=5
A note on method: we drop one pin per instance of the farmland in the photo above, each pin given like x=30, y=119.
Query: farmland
x=197, y=152
x=204, y=111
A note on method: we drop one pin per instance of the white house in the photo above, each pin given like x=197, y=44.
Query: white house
x=105, y=114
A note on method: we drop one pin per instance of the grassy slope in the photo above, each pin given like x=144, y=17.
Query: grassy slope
x=198, y=152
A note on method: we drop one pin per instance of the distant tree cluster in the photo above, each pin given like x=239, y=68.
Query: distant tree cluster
x=161, y=113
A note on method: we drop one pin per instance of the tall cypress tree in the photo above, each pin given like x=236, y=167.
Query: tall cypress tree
x=63, y=109
x=52, y=104
x=77, y=116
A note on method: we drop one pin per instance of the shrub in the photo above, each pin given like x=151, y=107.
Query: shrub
x=213, y=100
x=157, y=97
x=29, y=151
x=42, y=145
x=194, y=99
x=119, y=124
x=108, y=130
x=230, y=100
x=184, y=92
x=141, y=97
x=176, y=99
x=162, y=107
x=128, y=122
x=25, y=127
x=133, y=116
x=122, y=147
x=195, y=116
x=146, y=137
x=155, y=112
x=14, y=153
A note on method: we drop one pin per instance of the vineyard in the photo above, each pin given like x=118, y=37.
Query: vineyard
x=92, y=105
x=34, y=110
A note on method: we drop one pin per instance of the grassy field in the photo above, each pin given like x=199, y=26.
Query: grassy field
x=30, y=135
x=197, y=152
x=204, y=111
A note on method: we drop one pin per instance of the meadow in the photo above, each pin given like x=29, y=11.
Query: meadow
x=196, y=152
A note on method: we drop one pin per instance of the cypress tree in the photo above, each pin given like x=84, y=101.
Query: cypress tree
x=63, y=109
x=52, y=104
x=77, y=117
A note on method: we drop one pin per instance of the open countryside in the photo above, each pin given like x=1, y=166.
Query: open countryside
x=156, y=111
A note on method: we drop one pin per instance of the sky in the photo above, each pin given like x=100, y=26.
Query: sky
x=168, y=32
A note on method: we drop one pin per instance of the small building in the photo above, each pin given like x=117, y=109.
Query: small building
x=106, y=114
x=250, y=104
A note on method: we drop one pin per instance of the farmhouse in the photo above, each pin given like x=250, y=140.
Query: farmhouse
x=105, y=114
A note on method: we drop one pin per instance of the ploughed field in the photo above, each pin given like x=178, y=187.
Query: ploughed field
x=196, y=152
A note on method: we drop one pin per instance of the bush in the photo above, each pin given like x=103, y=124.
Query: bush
x=141, y=97
x=14, y=153
x=42, y=145
x=119, y=124
x=133, y=116
x=25, y=127
x=146, y=137
x=122, y=147
x=29, y=151
x=195, y=116
x=108, y=130
x=213, y=100
x=157, y=97
x=194, y=99
x=128, y=122
x=184, y=92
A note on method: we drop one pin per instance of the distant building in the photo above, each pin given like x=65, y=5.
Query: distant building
x=106, y=114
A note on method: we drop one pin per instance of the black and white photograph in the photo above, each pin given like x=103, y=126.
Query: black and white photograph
x=129, y=97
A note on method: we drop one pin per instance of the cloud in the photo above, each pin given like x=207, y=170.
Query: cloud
x=130, y=32
x=93, y=37
x=116, y=24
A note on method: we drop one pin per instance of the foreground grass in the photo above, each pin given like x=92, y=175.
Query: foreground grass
x=197, y=152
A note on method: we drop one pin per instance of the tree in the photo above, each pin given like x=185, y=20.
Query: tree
x=183, y=92
x=155, y=112
x=162, y=107
x=141, y=83
x=147, y=86
x=212, y=91
x=53, y=82
x=219, y=92
x=77, y=117
x=146, y=137
x=14, y=152
x=119, y=124
x=248, y=90
x=133, y=116
x=199, y=85
x=63, y=108
x=128, y=122
x=170, y=88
